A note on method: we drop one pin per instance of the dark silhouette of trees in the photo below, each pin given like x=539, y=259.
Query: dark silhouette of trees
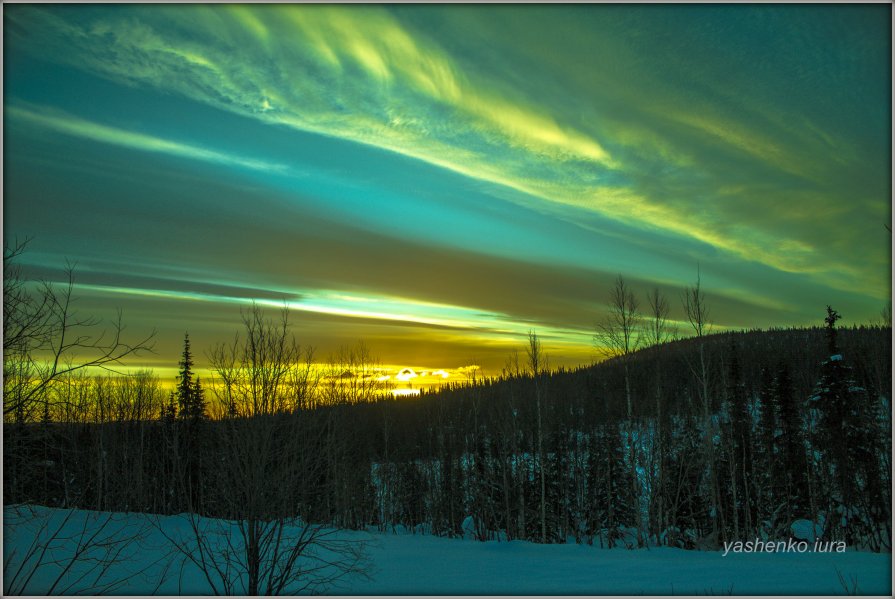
x=619, y=336
x=273, y=479
x=739, y=448
x=188, y=432
x=45, y=338
x=189, y=392
x=683, y=442
x=537, y=366
x=844, y=436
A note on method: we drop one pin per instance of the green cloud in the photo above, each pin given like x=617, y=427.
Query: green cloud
x=748, y=138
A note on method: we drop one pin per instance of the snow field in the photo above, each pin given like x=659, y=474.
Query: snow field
x=405, y=564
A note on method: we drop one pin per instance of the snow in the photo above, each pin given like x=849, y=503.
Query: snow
x=468, y=527
x=406, y=564
x=807, y=530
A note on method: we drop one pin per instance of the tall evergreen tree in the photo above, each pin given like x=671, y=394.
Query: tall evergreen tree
x=191, y=401
x=185, y=380
x=189, y=393
x=842, y=439
x=197, y=403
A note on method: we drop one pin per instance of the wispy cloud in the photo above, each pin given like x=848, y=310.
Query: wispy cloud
x=455, y=321
x=361, y=73
x=49, y=118
x=747, y=141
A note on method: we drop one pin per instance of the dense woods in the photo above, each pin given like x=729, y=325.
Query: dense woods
x=690, y=443
x=798, y=424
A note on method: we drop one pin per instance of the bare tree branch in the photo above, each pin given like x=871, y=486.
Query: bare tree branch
x=45, y=339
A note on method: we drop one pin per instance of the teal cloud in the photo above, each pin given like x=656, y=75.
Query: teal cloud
x=431, y=152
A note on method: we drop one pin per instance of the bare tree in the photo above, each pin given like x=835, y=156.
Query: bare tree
x=73, y=552
x=265, y=371
x=353, y=375
x=620, y=335
x=512, y=367
x=657, y=329
x=697, y=311
x=44, y=338
x=271, y=475
x=696, y=308
x=656, y=332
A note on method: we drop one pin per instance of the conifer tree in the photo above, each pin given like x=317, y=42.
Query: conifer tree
x=841, y=438
x=191, y=401
x=189, y=392
x=169, y=412
x=185, y=380
x=197, y=406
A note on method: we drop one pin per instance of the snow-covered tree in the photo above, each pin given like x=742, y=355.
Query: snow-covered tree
x=844, y=444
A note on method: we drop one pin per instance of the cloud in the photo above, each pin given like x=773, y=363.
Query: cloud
x=365, y=74
x=48, y=118
x=745, y=156
x=361, y=73
x=355, y=74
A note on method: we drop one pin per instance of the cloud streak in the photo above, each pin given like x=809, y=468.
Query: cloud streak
x=344, y=150
x=44, y=117
x=361, y=73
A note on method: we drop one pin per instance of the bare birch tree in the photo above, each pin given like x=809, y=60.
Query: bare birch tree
x=697, y=312
x=657, y=331
x=620, y=335
x=45, y=338
x=74, y=552
x=270, y=478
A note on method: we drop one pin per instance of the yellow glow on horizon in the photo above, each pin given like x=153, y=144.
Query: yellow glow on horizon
x=405, y=392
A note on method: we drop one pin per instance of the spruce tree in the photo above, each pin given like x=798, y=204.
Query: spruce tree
x=191, y=401
x=189, y=392
x=169, y=412
x=185, y=380
x=197, y=405
x=842, y=440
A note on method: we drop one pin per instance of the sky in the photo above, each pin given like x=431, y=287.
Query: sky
x=438, y=181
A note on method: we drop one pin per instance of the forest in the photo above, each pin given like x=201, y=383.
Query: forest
x=683, y=442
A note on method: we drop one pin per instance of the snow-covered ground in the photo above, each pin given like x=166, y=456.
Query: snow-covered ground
x=413, y=564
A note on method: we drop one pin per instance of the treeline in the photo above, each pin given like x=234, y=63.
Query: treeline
x=776, y=448
x=798, y=428
x=687, y=443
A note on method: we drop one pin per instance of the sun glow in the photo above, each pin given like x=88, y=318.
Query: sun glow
x=404, y=392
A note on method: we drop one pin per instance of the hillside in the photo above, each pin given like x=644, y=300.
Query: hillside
x=547, y=459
